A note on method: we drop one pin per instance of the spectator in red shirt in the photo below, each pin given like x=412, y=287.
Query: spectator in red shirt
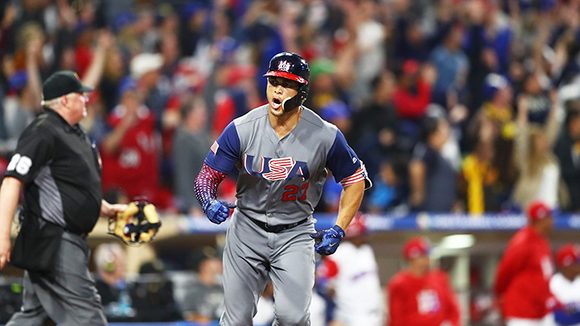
x=522, y=282
x=411, y=100
x=413, y=93
x=419, y=295
x=130, y=152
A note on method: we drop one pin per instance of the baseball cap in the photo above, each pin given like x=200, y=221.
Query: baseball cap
x=335, y=110
x=144, y=63
x=322, y=67
x=18, y=80
x=493, y=83
x=127, y=84
x=538, y=210
x=357, y=226
x=61, y=83
x=122, y=20
x=410, y=67
x=568, y=255
x=416, y=247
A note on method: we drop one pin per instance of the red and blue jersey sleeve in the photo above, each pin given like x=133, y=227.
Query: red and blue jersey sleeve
x=224, y=154
x=220, y=160
x=344, y=164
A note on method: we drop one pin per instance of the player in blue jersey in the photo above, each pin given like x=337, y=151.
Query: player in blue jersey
x=281, y=152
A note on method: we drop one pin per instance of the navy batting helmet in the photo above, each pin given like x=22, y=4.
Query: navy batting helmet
x=291, y=66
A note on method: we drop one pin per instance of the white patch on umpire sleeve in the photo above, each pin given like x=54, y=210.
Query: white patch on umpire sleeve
x=20, y=163
x=12, y=165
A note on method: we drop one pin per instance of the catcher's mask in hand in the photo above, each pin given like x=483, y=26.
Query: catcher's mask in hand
x=138, y=224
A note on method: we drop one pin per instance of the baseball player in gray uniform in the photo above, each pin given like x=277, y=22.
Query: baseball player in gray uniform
x=281, y=153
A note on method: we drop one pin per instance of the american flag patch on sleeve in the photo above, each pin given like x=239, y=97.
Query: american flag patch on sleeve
x=214, y=147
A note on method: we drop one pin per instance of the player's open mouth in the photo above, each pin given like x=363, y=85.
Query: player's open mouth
x=276, y=103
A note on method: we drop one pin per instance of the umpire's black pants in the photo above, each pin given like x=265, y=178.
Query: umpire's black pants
x=68, y=296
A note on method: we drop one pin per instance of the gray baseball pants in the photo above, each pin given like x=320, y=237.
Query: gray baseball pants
x=253, y=256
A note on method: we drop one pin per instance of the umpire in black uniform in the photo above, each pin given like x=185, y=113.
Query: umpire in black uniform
x=59, y=170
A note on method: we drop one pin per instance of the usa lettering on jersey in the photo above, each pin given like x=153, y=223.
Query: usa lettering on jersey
x=275, y=169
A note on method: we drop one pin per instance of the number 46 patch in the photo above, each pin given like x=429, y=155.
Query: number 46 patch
x=20, y=163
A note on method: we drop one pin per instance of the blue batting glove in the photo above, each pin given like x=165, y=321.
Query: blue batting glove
x=326, y=241
x=217, y=211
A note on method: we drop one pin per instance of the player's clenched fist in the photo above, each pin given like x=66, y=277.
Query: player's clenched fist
x=217, y=211
x=326, y=241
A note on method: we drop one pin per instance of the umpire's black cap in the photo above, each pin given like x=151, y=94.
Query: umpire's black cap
x=61, y=83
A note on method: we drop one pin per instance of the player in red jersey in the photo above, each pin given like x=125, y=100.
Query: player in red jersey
x=522, y=282
x=419, y=295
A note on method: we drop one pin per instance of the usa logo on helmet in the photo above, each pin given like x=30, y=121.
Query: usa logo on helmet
x=284, y=66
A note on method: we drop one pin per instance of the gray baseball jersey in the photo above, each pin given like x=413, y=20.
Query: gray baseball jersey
x=279, y=181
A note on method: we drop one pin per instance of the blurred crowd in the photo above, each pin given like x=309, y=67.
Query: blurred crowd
x=421, y=292
x=454, y=105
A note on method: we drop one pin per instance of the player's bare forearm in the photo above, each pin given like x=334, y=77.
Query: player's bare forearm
x=9, y=195
x=350, y=200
